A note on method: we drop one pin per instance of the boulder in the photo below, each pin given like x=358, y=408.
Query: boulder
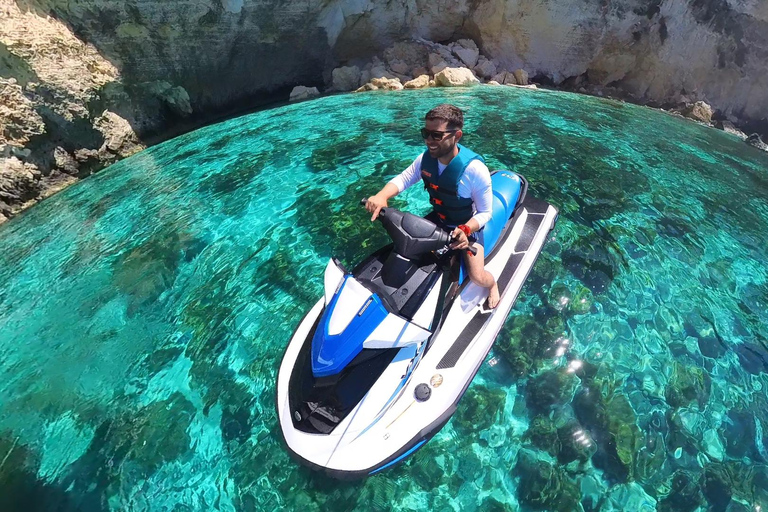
x=119, y=137
x=19, y=120
x=756, y=141
x=175, y=97
x=65, y=161
x=19, y=182
x=417, y=83
x=399, y=67
x=417, y=72
x=366, y=87
x=521, y=76
x=467, y=52
x=302, y=93
x=436, y=63
x=505, y=78
x=379, y=69
x=389, y=84
x=345, y=78
x=455, y=77
x=699, y=111
x=493, y=82
x=485, y=68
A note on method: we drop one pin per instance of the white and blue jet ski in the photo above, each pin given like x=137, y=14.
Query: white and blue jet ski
x=379, y=364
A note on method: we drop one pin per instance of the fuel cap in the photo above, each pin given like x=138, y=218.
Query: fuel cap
x=422, y=392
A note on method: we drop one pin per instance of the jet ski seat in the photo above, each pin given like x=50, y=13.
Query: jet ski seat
x=507, y=187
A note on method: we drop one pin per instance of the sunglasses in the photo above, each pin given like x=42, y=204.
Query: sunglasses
x=435, y=134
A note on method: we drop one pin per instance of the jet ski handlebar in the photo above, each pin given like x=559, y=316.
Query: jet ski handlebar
x=414, y=235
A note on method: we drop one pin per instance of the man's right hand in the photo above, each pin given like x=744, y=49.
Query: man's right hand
x=374, y=204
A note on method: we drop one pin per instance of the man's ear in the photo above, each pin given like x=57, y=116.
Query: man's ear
x=459, y=133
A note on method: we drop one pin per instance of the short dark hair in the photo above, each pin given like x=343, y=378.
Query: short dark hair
x=449, y=113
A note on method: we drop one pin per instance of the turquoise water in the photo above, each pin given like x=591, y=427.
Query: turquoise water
x=143, y=314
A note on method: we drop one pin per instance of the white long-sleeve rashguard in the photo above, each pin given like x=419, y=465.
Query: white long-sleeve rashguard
x=475, y=183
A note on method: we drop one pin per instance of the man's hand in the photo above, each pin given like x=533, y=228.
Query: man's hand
x=374, y=204
x=459, y=239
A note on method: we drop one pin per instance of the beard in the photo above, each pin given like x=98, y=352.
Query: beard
x=441, y=151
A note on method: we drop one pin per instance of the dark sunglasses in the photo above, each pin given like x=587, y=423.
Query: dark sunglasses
x=435, y=134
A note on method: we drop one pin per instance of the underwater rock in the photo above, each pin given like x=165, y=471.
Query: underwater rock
x=543, y=434
x=612, y=423
x=713, y=446
x=628, y=497
x=753, y=357
x=526, y=341
x=478, y=409
x=576, y=299
x=545, y=486
x=685, y=493
x=688, y=384
x=301, y=92
x=738, y=433
x=549, y=390
x=455, y=77
x=699, y=111
x=575, y=443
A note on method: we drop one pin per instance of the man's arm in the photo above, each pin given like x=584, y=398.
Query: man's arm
x=379, y=201
x=402, y=181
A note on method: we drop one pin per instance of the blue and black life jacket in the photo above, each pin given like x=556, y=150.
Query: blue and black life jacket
x=444, y=188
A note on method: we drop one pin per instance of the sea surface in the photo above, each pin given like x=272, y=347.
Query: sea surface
x=144, y=312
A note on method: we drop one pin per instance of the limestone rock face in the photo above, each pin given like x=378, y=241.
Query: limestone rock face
x=455, y=77
x=157, y=64
x=699, y=111
x=19, y=182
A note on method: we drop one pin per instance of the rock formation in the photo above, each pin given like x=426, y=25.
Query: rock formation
x=160, y=66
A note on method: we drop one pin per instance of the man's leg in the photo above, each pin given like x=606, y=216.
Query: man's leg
x=481, y=277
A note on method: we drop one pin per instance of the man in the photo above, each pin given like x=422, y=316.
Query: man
x=459, y=187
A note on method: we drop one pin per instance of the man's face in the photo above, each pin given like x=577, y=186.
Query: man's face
x=442, y=147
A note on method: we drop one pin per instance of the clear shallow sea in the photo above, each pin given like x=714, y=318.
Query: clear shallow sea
x=143, y=314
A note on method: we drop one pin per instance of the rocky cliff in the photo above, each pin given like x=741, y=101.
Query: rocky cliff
x=84, y=82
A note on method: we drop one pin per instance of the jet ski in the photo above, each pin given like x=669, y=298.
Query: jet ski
x=379, y=364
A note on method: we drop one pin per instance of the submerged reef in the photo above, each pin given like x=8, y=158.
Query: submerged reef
x=144, y=313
